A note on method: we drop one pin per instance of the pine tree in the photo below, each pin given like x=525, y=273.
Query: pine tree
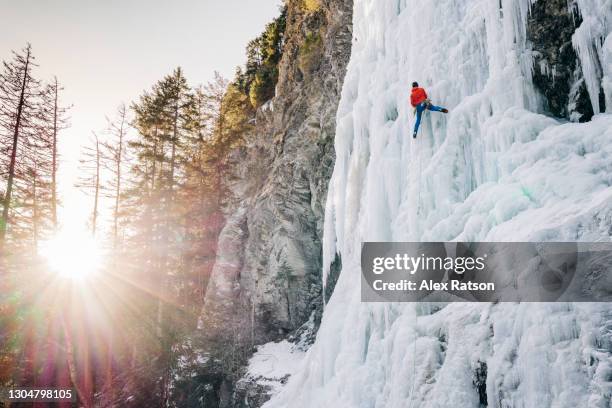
x=201, y=193
x=55, y=119
x=19, y=104
x=90, y=176
x=171, y=121
x=258, y=80
x=114, y=153
x=32, y=213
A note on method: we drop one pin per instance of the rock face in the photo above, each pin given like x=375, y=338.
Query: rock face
x=266, y=282
x=557, y=70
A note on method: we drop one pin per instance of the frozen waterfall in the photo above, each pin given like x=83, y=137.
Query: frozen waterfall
x=497, y=168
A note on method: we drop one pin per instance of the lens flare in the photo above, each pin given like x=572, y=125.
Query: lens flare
x=72, y=254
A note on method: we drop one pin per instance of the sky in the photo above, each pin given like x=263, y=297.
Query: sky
x=106, y=52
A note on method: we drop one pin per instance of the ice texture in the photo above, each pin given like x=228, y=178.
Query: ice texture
x=496, y=168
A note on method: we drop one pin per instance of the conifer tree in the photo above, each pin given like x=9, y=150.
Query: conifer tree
x=89, y=181
x=114, y=153
x=54, y=121
x=19, y=104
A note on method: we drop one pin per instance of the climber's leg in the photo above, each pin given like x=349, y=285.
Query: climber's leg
x=437, y=108
x=419, y=112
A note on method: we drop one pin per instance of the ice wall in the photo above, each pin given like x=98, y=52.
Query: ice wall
x=496, y=168
x=589, y=41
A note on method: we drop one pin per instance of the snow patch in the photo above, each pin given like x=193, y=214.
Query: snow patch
x=273, y=363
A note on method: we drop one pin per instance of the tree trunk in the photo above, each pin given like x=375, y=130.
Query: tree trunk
x=11, y=174
x=72, y=364
x=118, y=183
x=54, y=158
x=35, y=209
x=97, y=188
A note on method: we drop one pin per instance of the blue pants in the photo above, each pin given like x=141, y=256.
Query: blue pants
x=419, y=112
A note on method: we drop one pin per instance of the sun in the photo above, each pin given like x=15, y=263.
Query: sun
x=72, y=254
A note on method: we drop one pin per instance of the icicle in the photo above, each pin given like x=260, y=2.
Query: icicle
x=588, y=42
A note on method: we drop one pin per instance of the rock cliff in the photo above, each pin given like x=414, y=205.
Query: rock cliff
x=266, y=283
x=557, y=71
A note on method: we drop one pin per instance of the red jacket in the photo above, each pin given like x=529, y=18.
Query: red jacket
x=417, y=96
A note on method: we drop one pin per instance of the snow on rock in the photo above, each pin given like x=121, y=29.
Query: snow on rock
x=273, y=363
x=496, y=168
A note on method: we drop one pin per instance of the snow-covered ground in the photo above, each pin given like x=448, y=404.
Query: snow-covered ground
x=273, y=363
x=495, y=169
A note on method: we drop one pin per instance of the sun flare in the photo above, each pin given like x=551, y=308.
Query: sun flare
x=73, y=254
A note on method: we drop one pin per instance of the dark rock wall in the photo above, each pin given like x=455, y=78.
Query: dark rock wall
x=557, y=73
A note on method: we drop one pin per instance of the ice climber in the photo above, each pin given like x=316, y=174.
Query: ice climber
x=418, y=99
